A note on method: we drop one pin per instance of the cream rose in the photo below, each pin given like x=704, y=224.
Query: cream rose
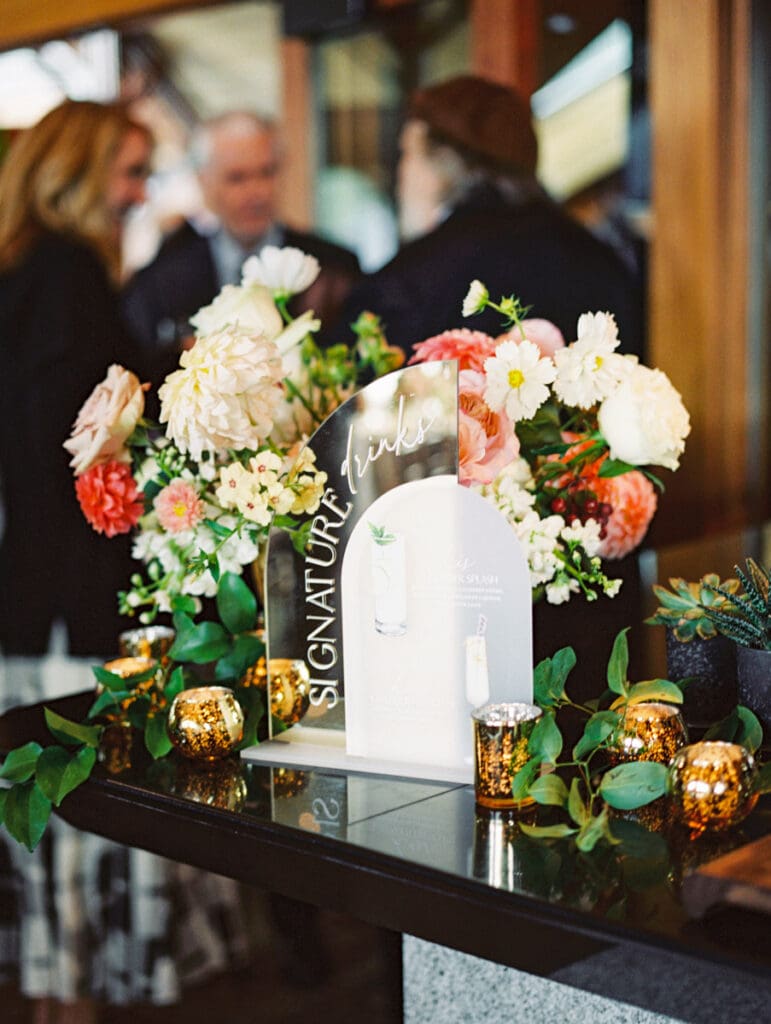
x=225, y=394
x=106, y=420
x=251, y=307
x=644, y=421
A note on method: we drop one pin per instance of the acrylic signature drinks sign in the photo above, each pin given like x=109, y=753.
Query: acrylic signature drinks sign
x=411, y=603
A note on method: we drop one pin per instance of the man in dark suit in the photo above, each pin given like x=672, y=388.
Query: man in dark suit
x=471, y=208
x=237, y=157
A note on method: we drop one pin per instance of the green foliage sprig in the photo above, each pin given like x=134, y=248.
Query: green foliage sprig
x=41, y=776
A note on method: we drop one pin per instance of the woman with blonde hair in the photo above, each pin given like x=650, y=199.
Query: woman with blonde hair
x=94, y=921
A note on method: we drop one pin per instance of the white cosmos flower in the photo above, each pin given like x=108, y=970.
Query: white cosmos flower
x=476, y=298
x=518, y=379
x=589, y=370
x=284, y=271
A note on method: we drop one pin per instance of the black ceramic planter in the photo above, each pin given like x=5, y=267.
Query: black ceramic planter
x=711, y=663
x=753, y=670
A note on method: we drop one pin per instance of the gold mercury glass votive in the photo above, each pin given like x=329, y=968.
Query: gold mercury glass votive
x=711, y=785
x=649, y=731
x=127, y=668
x=290, y=686
x=147, y=642
x=205, y=723
x=218, y=784
x=501, y=734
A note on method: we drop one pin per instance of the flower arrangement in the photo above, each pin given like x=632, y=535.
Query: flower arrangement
x=231, y=463
x=560, y=438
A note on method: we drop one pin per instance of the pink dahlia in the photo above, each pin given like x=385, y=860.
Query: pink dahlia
x=634, y=502
x=109, y=498
x=178, y=507
x=486, y=439
x=470, y=348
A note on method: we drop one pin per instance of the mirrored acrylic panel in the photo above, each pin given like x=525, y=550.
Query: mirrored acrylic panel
x=397, y=430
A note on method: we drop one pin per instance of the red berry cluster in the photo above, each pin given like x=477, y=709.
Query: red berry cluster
x=578, y=502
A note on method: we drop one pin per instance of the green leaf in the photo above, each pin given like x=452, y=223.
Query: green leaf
x=597, y=729
x=246, y=651
x=183, y=603
x=545, y=740
x=59, y=771
x=156, y=736
x=549, y=790
x=577, y=808
x=763, y=783
x=109, y=680
x=523, y=779
x=547, y=831
x=593, y=831
x=615, y=467
x=107, y=700
x=19, y=764
x=750, y=731
x=618, y=664
x=138, y=711
x=3, y=798
x=26, y=814
x=236, y=604
x=202, y=643
x=550, y=676
x=651, y=689
x=634, y=784
x=253, y=703
x=175, y=684
x=70, y=733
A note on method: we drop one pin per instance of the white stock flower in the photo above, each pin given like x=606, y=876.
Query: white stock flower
x=589, y=370
x=225, y=394
x=644, y=421
x=518, y=379
x=284, y=271
x=476, y=298
x=251, y=307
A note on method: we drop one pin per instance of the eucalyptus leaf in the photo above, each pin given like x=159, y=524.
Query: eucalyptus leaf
x=549, y=790
x=523, y=779
x=577, y=809
x=593, y=831
x=618, y=665
x=763, y=783
x=137, y=712
x=26, y=814
x=750, y=731
x=107, y=700
x=70, y=733
x=202, y=643
x=19, y=764
x=635, y=784
x=175, y=684
x=183, y=603
x=59, y=771
x=236, y=604
x=651, y=689
x=246, y=651
x=109, y=680
x=156, y=735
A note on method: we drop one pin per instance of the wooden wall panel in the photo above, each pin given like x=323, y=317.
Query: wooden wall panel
x=297, y=126
x=698, y=295
x=505, y=37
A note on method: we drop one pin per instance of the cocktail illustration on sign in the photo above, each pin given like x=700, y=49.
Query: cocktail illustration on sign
x=389, y=580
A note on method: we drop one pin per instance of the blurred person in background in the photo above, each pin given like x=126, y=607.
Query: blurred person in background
x=237, y=157
x=82, y=921
x=470, y=207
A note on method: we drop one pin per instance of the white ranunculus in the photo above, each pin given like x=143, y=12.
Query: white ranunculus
x=285, y=272
x=251, y=307
x=224, y=395
x=644, y=421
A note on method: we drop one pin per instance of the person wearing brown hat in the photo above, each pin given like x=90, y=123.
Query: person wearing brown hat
x=470, y=207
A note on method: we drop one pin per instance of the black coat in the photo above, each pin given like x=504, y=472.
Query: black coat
x=533, y=251
x=59, y=331
x=161, y=297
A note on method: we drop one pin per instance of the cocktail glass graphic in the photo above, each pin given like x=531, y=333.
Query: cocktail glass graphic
x=389, y=579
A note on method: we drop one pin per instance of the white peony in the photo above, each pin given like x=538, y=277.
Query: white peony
x=285, y=272
x=644, y=421
x=252, y=308
x=589, y=370
x=518, y=379
x=225, y=394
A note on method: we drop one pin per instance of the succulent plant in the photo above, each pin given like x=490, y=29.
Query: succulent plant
x=686, y=608
x=746, y=616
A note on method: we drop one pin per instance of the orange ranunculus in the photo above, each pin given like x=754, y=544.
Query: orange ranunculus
x=109, y=498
